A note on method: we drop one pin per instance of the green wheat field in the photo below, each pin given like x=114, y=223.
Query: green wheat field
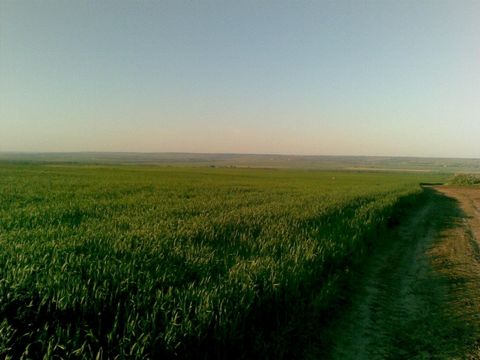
x=161, y=262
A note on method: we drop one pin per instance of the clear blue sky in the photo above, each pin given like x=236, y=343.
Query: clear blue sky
x=296, y=77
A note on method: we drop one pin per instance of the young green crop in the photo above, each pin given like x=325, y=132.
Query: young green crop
x=151, y=262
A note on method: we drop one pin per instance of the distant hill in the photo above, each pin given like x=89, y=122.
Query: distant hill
x=360, y=163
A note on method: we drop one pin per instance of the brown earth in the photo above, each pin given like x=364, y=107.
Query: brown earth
x=419, y=297
x=457, y=257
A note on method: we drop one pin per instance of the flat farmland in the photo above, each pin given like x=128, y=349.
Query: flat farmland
x=149, y=262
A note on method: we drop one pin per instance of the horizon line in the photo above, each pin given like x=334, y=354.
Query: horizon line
x=232, y=153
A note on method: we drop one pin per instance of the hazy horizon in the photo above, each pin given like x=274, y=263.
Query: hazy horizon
x=183, y=153
x=343, y=78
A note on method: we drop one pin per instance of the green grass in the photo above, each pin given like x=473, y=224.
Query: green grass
x=465, y=180
x=150, y=262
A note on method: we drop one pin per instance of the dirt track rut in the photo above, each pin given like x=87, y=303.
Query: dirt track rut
x=419, y=297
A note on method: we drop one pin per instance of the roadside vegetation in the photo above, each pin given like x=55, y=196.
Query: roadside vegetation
x=465, y=179
x=163, y=262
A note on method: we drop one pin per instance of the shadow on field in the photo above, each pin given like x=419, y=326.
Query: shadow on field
x=429, y=324
x=401, y=294
x=455, y=261
x=408, y=300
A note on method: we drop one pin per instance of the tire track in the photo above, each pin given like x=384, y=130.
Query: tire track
x=413, y=295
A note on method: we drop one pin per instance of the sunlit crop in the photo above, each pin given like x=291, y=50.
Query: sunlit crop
x=144, y=262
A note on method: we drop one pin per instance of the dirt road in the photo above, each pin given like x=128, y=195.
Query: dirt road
x=419, y=297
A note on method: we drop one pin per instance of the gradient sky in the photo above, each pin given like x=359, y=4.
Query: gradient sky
x=294, y=77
